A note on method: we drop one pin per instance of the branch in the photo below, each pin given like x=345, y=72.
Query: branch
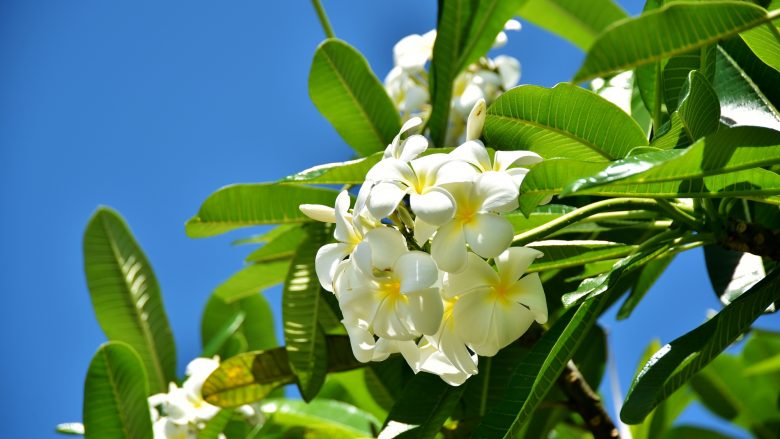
x=753, y=238
x=587, y=403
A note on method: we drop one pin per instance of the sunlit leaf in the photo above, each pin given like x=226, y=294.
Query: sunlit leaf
x=764, y=41
x=346, y=91
x=252, y=279
x=279, y=247
x=126, y=296
x=115, y=393
x=320, y=418
x=574, y=253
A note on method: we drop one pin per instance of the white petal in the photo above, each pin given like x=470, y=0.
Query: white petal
x=448, y=247
x=451, y=345
x=476, y=274
x=388, y=323
x=488, y=234
x=438, y=363
x=500, y=40
x=411, y=123
x=391, y=169
x=436, y=206
x=514, y=262
x=329, y=256
x=412, y=147
x=345, y=232
x=506, y=159
x=423, y=231
x=416, y=270
x=508, y=69
x=517, y=175
x=528, y=291
x=412, y=52
x=496, y=190
x=474, y=152
x=384, y=199
x=476, y=120
x=473, y=315
x=387, y=245
x=510, y=321
x=512, y=24
x=362, y=342
x=318, y=212
x=426, y=167
x=455, y=171
x=423, y=310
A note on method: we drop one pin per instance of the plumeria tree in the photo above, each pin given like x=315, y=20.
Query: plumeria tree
x=449, y=280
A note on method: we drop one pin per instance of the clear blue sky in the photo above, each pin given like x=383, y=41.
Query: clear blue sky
x=149, y=107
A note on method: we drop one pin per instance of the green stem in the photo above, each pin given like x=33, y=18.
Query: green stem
x=679, y=214
x=612, y=204
x=657, y=99
x=324, y=22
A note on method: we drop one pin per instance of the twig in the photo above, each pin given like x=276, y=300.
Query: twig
x=587, y=403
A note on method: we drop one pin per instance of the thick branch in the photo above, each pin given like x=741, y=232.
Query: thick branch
x=751, y=238
x=587, y=403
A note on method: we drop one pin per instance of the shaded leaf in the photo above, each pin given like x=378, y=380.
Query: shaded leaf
x=279, y=247
x=422, y=408
x=244, y=205
x=320, y=418
x=566, y=121
x=689, y=431
x=573, y=253
x=673, y=29
x=346, y=91
x=221, y=321
x=126, y=296
x=115, y=394
x=216, y=425
x=673, y=365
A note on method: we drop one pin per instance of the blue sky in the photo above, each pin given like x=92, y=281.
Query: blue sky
x=149, y=107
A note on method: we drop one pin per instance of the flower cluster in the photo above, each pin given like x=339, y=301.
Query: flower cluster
x=182, y=413
x=410, y=266
x=407, y=83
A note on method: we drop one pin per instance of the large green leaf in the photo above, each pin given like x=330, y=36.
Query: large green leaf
x=550, y=177
x=673, y=365
x=573, y=253
x=351, y=387
x=697, y=115
x=244, y=205
x=728, y=150
x=736, y=81
x=764, y=41
x=465, y=31
x=349, y=172
x=115, y=394
x=256, y=326
x=320, y=418
x=280, y=247
x=731, y=273
x=422, y=408
x=216, y=425
x=250, y=377
x=539, y=371
x=346, y=91
x=673, y=29
x=649, y=274
x=252, y=279
x=566, y=121
x=126, y=296
x=577, y=21
x=303, y=336
x=690, y=431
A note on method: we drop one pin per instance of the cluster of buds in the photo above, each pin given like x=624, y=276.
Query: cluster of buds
x=182, y=413
x=422, y=264
x=407, y=83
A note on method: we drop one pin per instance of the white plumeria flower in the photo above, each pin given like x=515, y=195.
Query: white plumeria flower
x=476, y=120
x=494, y=309
x=413, y=51
x=388, y=291
x=501, y=38
x=409, y=91
x=409, y=148
x=421, y=180
x=511, y=163
x=474, y=222
x=508, y=69
x=349, y=233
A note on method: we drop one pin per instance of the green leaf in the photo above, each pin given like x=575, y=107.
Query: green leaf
x=216, y=425
x=675, y=363
x=115, y=394
x=732, y=273
x=573, y=253
x=736, y=81
x=466, y=31
x=770, y=365
x=349, y=172
x=675, y=75
x=565, y=121
x=728, y=150
x=577, y=21
x=251, y=376
x=422, y=408
x=220, y=321
x=244, y=205
x=540, y=215
x=280, y=247
x=537, y=374
x=303, y=335
x=320, y=418
x=346, y=91
x=252, y=279
x=262, y=238
x=764, y=41
x=126, y=296
x=550, y=177
x=689, y=431
x=676, y=28
x=699, y=107
x=351, y=387
x=650, y=273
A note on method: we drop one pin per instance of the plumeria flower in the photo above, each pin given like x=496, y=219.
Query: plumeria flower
x=421, y=180
x=508, y=70
x=413, y=51
x=388, y=291
x=474, y=222
x=409, y=148
x=493, y=309
x=409, y=91
x=349, y=232
x=510, y=163
x=501, y=38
